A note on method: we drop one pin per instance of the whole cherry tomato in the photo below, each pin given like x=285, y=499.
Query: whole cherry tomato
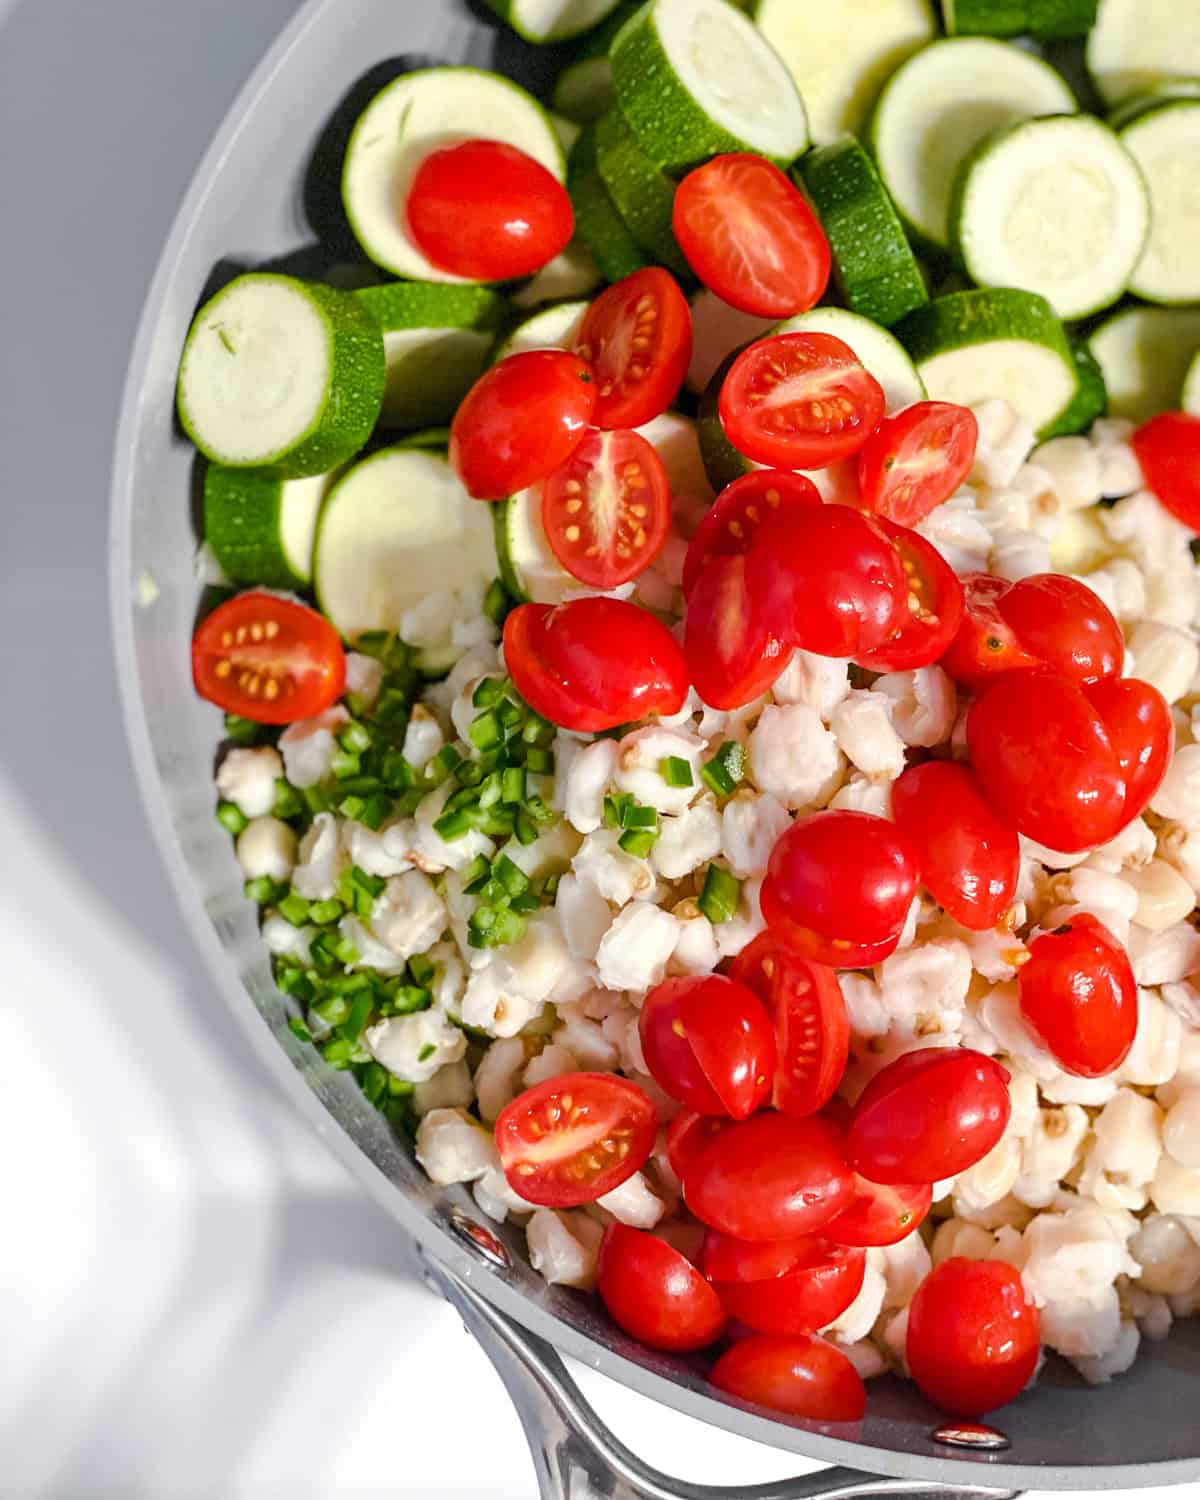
x=933, y=610
x=687, y=1134
x=594, y=663
x=1045, y=620
x=486, y=211
x=970, y=859
x=829, y=579
x=268, y=659
x=732, y=520
x=607, y=511
x=916, y=459
x=929, y=1115
x=769, y=1178
x=800, y=1375
x=520, y=421
x=973, y=1336
x=800, y=401
x=812, y=1031
x=817, y=1288
x=881, y=1213
x=654, y=1293
x=1079, y=997
x=751, y=237
x=574, y=1138
x=637, y=335
x=1168, y=449
x=724, y=1258
x=707, y=1040
x=1140, y=730
x=732, y=655
x=838, y=887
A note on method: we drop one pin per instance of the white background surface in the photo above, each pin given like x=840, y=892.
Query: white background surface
x=194, y=1299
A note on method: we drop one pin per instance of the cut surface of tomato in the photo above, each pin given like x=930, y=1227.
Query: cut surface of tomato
x=268, y=659
x=800, y=401
x=594, y=663
x=654, y=1293
x=607, y=511
x=797, y=1374
x=1168, y=449
x=687, y=1134
x=487, y=211
x=751, y=237
x=637, y=335
x=816, y=1289
x=933, y=606
x=574, y=1138
x=812, y=1030
x=707, y=1040
x=732, y=521
x=731, y=654
x=1138, y=723
x=916, y=459
x=1079, y=997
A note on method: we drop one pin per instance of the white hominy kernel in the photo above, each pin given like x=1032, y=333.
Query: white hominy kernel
x=634, y=951
x=1154, y=1056
x=247, y=779
x=280, y=937
x=449, y=1088
x=696, y=952
x=859, y=793
x=1128, y=1137
x=1181, y=1129
x=750, y=826
x=564, y=1246
x=1074, y=466
x=586, y=1039
x=497, y=1076
x=452, y=1147
x=266, y=847
x=551, y=1062
x=1006, y=440
x=1130, y=849
x=1049, y=1152
x=991, y=1178
x=308, y=747
x=1168, y=1256
x=794, y=757
x=1076, y=1254
x=924, y=704
x=587, y=779
x=957, y=1237
x=1164, y=957
x=619, y=877
x=639, y=758
x=1120, y=472
x=316, y=873
x=1082, y=1327
x=492, y=1002
x=1176, y=1188
x=1164, y=896
x=1167, y=658
x=817, y=682
x=892, y=1338
x=496, y=1198
x=687, y=841
x=859, y=1318
x=1019, y=554
x=745, y=925
x=634, y=1203
x=1099, y=1369
x=865, y=1358
x=1180, y=847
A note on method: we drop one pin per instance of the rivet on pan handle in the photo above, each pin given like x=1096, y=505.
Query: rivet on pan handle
x=576, y=1457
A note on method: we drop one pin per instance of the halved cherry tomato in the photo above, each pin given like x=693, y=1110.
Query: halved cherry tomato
x=800, y=1375
x=1044, y=761
x=812, y=1031
x=800, y=401
x=574, y=1138
x=1168, y=449
x=654, y=1293
x=687, y=1134
x=707, y=1040
x=594, y=663
x=1079, y=996
x=607, y=511
x=916, y=459
x=1045, y=620
x=268, y=659
x=638, y=336
x=724, y=1258
x=929, y=1115
x=817, y=1288
x=838, y=887
x=731, y=522
x=1137, y=720
x=731, y=654
x=829, y=579
x=769, y=1178
x=751, y=237
x=484, y=210
x=973, y=1335
x=880, y=1213
x=933, y=611
x=969, y=858
x=520, y=421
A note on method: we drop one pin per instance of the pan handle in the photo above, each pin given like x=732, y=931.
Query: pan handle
x=577, y=1457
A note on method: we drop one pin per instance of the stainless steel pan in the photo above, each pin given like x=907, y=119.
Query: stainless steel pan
x=267, y=191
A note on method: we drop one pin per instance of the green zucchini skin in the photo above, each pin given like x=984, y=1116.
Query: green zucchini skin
x=597, y=221
x=641, y=192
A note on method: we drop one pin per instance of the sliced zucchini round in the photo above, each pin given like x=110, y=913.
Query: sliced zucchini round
x=1189, y=399
x=1091, y=398
x=1165, y=143
x=528, y=568
x=283, y=374
x=642, y=192
x=1055, y=206
x=883, y=355
x=399, y=127
x=567, y=130
x=552, y=328
x=541, y=21
x=723, y=463
x=994, y=342
x=1003, y=18
x=1136, y=44
x=717, y=331
x=676, y=441
x=436, y=343
x=1056, y=20
x=597, y=222
x=873, y=263
x=842, y=55
x=1168, y=91
x=397, y=527
x=572, y=273
x=1145, y=354
x=584, y=90
x=937, y=108
x=427, y=437
x=695, y=78
x=261, y=527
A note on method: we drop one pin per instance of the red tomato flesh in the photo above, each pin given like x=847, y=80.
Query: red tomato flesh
x=769, y=1178
x=973, y=1336
x=268, y=659
x=732, y=521
x=751, y=237
x=520, y=421
x=594, y=663
x=798, y=1374
x=970, y=859
x=638, y=336
x=486, y=211
x=1168, y=449
x=654, y=1293
x=1079, y=997
x=818, y=1288
x=708, y=1041
x=1137, y=720
x=933, y=607
x=607, y=511
x=724, y=1258
x=574, y=1138
x=838, y=887
x=731, y=654
x=800, y=401
x=687, y=1134
x=916, y=459
x=812, y=1031
x=881, y=1213
x=929, y=1115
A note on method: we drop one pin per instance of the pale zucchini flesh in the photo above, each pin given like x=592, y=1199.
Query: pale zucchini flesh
x=597, y=223
x=261, y=527
x=1136, y=44
x=528, y=567
x=641, y=191
x=1165, y=143
x=880, y=352
x=552, y=328
x=1001, y=18
x=717, y=331
x=1145, y=354
x=584, y=90
x=572, y=273
x=1189, y=400
x=542, y=21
